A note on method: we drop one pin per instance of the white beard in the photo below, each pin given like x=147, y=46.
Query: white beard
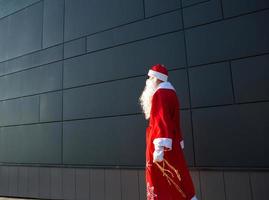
x=146, y=96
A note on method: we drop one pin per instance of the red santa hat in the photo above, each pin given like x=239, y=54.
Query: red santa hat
x=159, y=71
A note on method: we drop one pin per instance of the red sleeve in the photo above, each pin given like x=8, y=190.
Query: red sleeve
x=160, y=116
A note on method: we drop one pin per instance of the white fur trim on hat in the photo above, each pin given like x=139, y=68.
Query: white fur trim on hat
x=158, y=75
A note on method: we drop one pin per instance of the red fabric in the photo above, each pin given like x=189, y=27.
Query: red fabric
x=160, y=68
x=164, y=123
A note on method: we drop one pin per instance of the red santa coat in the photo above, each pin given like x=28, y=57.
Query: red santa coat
x=169, y=179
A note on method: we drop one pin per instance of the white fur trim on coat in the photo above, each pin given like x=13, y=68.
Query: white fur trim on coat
x=164, y=142
x=158, y=75
x=158, y=154
x=165, y=85
x=194, y=198
x=182, y=144
x=159, y=144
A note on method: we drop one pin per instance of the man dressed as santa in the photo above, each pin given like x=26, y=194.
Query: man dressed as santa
x=167, y=174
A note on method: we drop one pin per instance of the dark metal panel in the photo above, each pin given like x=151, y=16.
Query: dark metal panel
x=206, y=12
x=11, y=6
x=3, y=145
x=11, y=139
x=28, y=23
x=2, y=148
x=10, y=112
x=75, y=47
x=135, y=31
x=29, y=143
x=211, y=85
x=84, y=141
x=29, y=109
x=229, y=39
x=233, y=8
x=51, y=106
x=38, y=58
x=155, y=7
x=179, y=80
x=42, y=79
x=242, y=129
x=93, y=101
x=124, y=61
x=251, y=79
x=192, y=2
x=32, y=81
x=100, y=15
x=19, y=111
x=10, y=86
x=2, y=64
x=3, y=39
x=185, y=124
x=48, y=55
x=53, y=22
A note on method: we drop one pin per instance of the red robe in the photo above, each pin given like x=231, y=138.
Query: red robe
x=169, y=179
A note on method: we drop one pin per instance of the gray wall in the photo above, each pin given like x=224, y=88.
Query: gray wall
x=71, y=73
x=124, y=184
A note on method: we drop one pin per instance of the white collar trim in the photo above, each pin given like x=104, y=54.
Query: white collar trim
x=165, y=85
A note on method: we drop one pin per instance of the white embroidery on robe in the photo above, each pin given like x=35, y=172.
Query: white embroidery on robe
x=150, y=192
x=148, y=164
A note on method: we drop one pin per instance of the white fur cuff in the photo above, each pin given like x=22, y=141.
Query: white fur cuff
x=182, y=144
x=163, y=142
x=158, y=156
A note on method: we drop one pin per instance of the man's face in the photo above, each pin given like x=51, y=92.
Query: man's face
x=151, y=78
x=152, y=82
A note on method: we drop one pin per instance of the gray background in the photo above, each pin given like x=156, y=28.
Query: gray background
x=71, y=73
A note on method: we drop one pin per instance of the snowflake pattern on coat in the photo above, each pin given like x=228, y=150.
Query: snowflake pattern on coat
x=150, y=192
